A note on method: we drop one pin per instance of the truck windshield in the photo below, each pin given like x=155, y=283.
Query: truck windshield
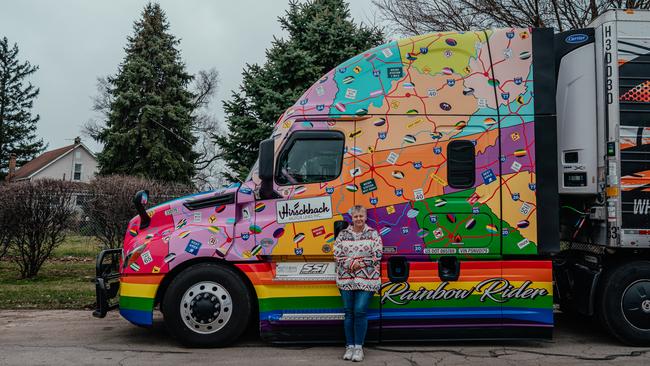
x=310, y=161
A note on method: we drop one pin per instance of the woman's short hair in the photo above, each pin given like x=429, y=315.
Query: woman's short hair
x=357, y=208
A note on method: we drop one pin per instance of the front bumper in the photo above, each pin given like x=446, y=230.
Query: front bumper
x=107, y=281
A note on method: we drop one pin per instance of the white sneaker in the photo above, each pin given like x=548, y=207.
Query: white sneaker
x=358, y=354
x=349, y=352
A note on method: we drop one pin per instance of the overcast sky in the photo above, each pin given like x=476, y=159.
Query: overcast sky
x=75, y=41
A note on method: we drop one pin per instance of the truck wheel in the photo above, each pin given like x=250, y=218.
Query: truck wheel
x=206, y=305
x=625, y=303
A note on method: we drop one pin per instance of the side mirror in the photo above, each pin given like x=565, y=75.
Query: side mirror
x=266, y=160
x=139, y=201
x=265, y=168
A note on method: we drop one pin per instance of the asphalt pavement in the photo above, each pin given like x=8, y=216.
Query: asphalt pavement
x=61, y=337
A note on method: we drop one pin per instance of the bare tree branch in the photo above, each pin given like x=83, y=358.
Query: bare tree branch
x=206, y=83
x=410, y=17
x=103, y=99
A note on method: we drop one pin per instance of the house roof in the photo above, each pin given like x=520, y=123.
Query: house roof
x=40, y=162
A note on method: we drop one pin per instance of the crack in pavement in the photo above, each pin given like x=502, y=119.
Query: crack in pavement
x=98, y=349
x=505, y=352
x=121, y=362
x=411, y=361
x=609, y=357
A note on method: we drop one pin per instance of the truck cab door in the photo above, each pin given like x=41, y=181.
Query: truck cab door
x=314, y=173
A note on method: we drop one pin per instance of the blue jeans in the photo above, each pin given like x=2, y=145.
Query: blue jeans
x=355, y=305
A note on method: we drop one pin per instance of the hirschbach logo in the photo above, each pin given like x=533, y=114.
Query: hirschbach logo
x=304, y=210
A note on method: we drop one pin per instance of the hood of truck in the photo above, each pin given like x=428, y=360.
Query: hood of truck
x=181, y=229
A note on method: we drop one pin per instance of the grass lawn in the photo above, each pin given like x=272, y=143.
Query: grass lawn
x=78, y=247
x=62, y=283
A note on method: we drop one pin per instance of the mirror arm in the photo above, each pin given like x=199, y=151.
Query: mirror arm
x=266, y=190
x=139, y=200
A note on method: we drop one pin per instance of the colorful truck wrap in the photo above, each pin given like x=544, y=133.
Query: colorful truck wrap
x=444, y=137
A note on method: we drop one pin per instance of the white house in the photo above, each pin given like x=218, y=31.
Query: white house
x=74, y=163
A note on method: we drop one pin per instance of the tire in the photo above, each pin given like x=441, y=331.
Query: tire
x=624, y=303
x=207, y=305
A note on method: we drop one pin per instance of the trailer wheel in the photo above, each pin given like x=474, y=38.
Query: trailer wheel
x=206, y=305
x=625, y=303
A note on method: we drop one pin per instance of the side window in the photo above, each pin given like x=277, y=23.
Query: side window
x=461, y=164
x=310, y=157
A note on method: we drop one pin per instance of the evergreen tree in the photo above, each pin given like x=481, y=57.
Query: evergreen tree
x=17, y=124
x=321, y=36
x=149, y=124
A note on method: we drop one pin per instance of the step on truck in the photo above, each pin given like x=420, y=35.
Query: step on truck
x=505, y=170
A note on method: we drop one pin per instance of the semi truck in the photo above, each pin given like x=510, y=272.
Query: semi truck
x=506, y=171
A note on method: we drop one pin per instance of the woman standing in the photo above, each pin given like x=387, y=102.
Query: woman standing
x=358, y=252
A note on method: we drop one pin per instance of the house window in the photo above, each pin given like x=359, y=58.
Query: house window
x=77, y=171
x=77, y=154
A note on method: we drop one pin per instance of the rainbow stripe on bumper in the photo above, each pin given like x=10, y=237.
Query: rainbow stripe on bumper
x=137, y=296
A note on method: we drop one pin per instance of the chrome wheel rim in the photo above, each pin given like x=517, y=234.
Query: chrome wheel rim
x=206, y=307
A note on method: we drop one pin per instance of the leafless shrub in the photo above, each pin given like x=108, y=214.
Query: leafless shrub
x=108, y=203
x=41, y=212
x=7, y=219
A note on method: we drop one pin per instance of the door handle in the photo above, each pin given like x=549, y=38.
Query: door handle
x=398, y=269
x=448, y=268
